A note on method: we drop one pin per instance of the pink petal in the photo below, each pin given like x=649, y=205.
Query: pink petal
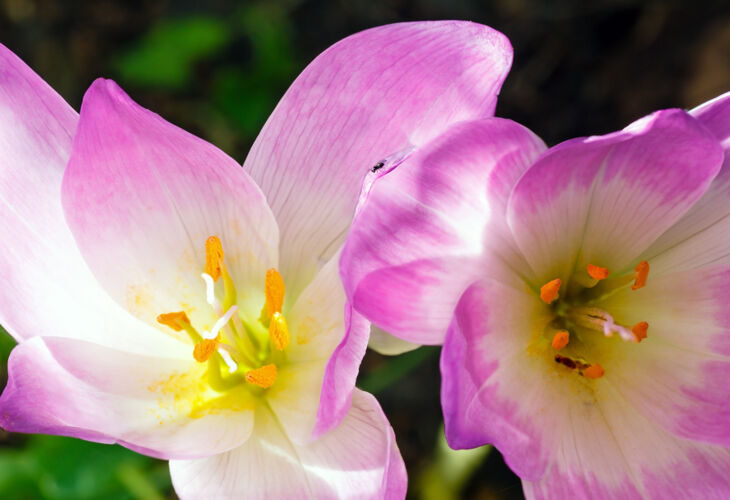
x=358, y=459
x=314, y=388
x=493, y=390
x=419, y=237
x=606, y=199
x=612, y=452
x=715, y=115
x=678, y=375
x=75, y=388
x=47, y=288
x=372, y=94
x=699, y=238
x=142, y=196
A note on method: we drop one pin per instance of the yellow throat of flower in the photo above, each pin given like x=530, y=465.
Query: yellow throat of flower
x=238, y=350
x=575, y=315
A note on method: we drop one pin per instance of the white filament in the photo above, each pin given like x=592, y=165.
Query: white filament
x=232, y=366
x=210, y=291
x=222, y=321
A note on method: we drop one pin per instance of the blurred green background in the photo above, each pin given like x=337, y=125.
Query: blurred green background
x=217, y=69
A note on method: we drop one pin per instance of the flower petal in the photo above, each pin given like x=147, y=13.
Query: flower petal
x=604, y=200
x=612, y=452
x=715, y=115
x=152, y=405
x=142, y=197
x=419, y=236
x=314, y=388
x=495, y=389
x=678, y=375
x=387, y=344
x=371, y=94
x=700, y=237
x=358, y=459
x=47, y=287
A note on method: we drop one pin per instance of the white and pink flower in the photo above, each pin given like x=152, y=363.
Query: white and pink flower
x=171, y=301
x=580, y=292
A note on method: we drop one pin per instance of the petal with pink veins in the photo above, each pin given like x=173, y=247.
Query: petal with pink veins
x=439, y=209
x=142, y=197
x=604, y=200
x=612, y=452
x=47, y=287
x=677, y=376
x=152, y=404
x=497, y=388
x=699, y=238
x=357, y=459
x=372, y=94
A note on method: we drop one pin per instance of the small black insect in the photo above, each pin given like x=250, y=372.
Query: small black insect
x=377, y=166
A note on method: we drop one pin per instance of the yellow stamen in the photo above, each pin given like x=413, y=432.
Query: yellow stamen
x=597, y=272
x=279, y=331
x=639, y=330
x=213, y=257
x=274, y=290
x=642, y=272
x=175, y=320
x=594, y=371
x=263, y=377
x=561, y=339
x=204, y=349
x=549, y=291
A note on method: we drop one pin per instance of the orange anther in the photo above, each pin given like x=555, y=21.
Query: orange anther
x=639, y=330
x=549, y=291
x=274, y=290
x=560, y=339
x=279, y=331
x=263, y=377
x=594, y=371
x=174, y=320
x=213, y=257
x=204, y=349
x=642, y=272
x=597, y=272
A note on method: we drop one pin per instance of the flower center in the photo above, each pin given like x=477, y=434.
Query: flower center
x=576, y=317
x=237, y=349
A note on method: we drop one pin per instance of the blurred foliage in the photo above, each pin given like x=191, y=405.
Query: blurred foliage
x=446, y=476
x=165, y=56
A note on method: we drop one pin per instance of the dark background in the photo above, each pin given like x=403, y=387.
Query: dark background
x=217, y=70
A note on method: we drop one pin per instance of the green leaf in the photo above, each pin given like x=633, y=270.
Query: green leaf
x=166, y=55
x=395, y=368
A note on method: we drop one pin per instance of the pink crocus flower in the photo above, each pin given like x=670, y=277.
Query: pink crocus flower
x=580, y=292
x=168, y=300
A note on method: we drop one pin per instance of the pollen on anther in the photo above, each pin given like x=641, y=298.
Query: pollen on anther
x=560, y=339
x=174, y=320
x=642, y=272
x=639, y=330
x=263, y=377
x=274, y=290
x=279, y=331
x=549, y=291
x=204, y=349
x=594, y=371
x=213, y=257
x=597, y=272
